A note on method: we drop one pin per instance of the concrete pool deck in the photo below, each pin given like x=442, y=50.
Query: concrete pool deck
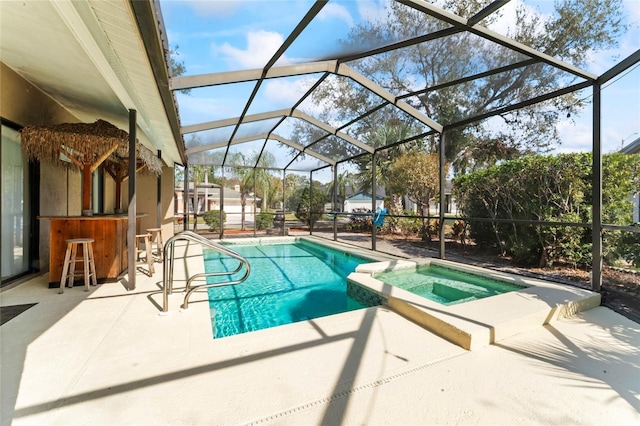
x=106, y=357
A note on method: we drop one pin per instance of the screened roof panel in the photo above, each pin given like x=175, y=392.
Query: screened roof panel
x=487, y=95
x=300, y=131
x=341, y=78
x=208, y=137
x=399, y=125
x=305, y=163
x=410, y=68
x=256, y=128
x=282, y=153
x=212, y=157
x=327, y=36
x=205, y=104
x=335, y=148
x=344, y=98
x=244, y=153
x=281, y=93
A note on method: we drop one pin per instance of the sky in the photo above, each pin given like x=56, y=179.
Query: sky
x=217, y=36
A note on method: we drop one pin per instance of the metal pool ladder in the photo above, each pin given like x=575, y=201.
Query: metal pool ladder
x=168, y=262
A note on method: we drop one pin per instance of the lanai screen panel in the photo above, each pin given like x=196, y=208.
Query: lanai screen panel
x=305, y=163
x=328, y=35
x=457, y=102
x=246, y=154
x=204, y=104
x=211, y=157
x=208, y=138
x=300, y=131
x=339, y=100
x=386, y=125
x=281, y=93
x=256, y=128
x=436, y=62
x=282, y=153
x=335, y=148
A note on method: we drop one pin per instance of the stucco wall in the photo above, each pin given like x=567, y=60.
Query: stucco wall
x=146, y=199
x=25, y=104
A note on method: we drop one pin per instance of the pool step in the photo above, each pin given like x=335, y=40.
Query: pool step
x=479, y=323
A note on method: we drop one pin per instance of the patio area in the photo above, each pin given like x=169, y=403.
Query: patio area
x=107, y=357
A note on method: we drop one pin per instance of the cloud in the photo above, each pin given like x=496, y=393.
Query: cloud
x=285, y=93
x=206, y=108
x=575, y=137
x=633, y=10
x=335, y=11
x=261, y=45
x=374, y=11
x=506, y=17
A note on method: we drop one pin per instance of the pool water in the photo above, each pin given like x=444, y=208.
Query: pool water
x=289, y=282
x=445, y=286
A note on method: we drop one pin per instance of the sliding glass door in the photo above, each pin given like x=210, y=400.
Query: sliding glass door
x=16, y=221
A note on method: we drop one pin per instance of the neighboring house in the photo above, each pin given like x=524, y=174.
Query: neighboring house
x=634, y=148
x=208, y=198
x=361, y=201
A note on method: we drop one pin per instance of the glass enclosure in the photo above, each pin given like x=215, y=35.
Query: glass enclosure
x=15, y=207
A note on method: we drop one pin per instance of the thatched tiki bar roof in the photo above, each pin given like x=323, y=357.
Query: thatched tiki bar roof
x=87, y=146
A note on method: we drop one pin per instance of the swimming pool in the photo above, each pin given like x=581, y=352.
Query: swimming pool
x=290, y=281
x=445, y=285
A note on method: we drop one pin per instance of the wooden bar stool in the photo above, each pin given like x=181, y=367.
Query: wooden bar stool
x=146, y=240
x=156, y=239
x=70, y=260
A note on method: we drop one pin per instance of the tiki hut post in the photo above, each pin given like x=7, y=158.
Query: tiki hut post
x=86, y=189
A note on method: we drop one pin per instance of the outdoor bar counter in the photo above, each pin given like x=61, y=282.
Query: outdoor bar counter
x=109, y=248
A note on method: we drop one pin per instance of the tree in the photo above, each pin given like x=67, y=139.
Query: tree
x=310, y=208
x=251, y=174
x=176, y=66
x=576, y=30
x=385, y=135
x=417, y=175
x=294, y=185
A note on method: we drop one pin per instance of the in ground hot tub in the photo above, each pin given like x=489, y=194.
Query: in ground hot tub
x=467, y=305
x=446, y=285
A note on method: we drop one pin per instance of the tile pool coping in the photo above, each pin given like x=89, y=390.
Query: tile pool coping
x=482, y=322
x=371, y=255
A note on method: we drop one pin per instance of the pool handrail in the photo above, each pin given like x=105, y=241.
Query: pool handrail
x=167, y=266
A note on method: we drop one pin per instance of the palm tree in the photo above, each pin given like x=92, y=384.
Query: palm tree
x=251, y=173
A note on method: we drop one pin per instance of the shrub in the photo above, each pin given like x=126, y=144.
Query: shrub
x=310, y=208
x=554, y=189
x=361, y=221
x=264, y=221
x=212, y=218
